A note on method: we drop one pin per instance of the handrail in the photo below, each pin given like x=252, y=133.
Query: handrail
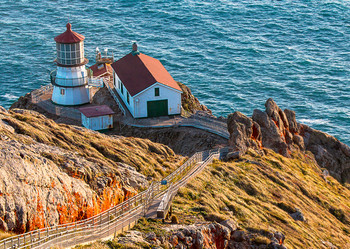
x=55, y=235
x=106, y=81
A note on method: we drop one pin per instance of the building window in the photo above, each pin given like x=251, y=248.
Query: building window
x=119, y=84
x=122, y=89
x=127, y=98
x=62, y=91
x=156, y=91
x=115, y=85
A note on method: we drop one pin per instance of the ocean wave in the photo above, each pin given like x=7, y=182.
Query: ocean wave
x=233, y=55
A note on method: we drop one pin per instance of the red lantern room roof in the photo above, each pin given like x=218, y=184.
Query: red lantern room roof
x=69, y=36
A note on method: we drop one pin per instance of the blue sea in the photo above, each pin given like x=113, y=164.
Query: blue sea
x=234, y=55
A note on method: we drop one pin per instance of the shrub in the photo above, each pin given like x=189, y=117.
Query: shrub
x=284, y=206
x=174, y=219
x=339, y=214
x=260, y=240
x=215, y=217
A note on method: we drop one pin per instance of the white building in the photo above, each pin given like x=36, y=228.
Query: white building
x=145, y=86
x=97, y=117
x=70, y=80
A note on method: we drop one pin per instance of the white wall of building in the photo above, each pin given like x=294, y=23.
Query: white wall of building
x=173, y=96
x=97, y=123
x=118, y=84
x=71, y=76
x=138, y=103
x=70, y=96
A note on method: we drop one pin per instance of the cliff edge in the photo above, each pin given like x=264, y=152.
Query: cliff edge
x=278, y=130
x=55, y=173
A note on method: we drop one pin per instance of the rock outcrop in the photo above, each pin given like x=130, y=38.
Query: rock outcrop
x=189, y=102
x=211, y=236
x=278, y=130
x=55, y=173
x=244, y=132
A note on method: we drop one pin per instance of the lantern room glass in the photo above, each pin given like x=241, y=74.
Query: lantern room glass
x=70, y=54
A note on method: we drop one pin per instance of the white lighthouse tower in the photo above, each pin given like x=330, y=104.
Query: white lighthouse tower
x=70, y=80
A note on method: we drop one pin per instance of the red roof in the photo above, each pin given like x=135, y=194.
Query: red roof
x=140, y=71
x=96, y=111
x=101, y=69
x=69, y=36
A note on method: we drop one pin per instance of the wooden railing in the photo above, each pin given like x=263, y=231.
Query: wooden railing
x=115, y=219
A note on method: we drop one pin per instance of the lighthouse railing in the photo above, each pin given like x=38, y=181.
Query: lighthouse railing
x=71, y=82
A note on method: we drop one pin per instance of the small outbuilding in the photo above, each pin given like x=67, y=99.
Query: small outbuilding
x=97, y=117
x=145, y=86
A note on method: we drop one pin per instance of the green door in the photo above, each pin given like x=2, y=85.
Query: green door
x=157, y=108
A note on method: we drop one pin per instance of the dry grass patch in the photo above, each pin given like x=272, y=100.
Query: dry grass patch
x=151, y=159
x=264, y=190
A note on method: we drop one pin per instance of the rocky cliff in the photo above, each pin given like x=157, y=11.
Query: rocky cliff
x=183, y=140
x=265, y=193
x=55, y=173
x=278, y=130
x=212, y=236
x=189, y=102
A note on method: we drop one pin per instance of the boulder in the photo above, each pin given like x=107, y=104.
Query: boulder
x=298, y=215
x=234, y=155
x=329, y=152
x=244, y=132
x=276, y=114
x=151, y=236
x=238, y=236
x=180, y=235
x=230, y=224
x=293, y=125
x=279, y=237
x=272, y=133
x=278, y=130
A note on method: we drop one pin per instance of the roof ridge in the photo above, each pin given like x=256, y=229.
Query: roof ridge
x=138, y=56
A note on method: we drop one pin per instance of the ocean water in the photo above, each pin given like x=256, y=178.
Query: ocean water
x=234, y=55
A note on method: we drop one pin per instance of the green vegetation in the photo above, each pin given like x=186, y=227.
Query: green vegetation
x=174, y=219
x=260, y=193
x=150, y=225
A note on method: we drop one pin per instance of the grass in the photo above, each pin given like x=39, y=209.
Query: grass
x=262, y=192
x=4, y=235
x=151, y=159
x=89, y=156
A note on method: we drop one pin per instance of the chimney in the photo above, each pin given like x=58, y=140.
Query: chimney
x=134, y=49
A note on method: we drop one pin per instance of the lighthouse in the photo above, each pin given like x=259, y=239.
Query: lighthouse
x=70, y=80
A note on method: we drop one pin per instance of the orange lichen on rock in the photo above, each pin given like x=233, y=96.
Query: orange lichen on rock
x=38, y=218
